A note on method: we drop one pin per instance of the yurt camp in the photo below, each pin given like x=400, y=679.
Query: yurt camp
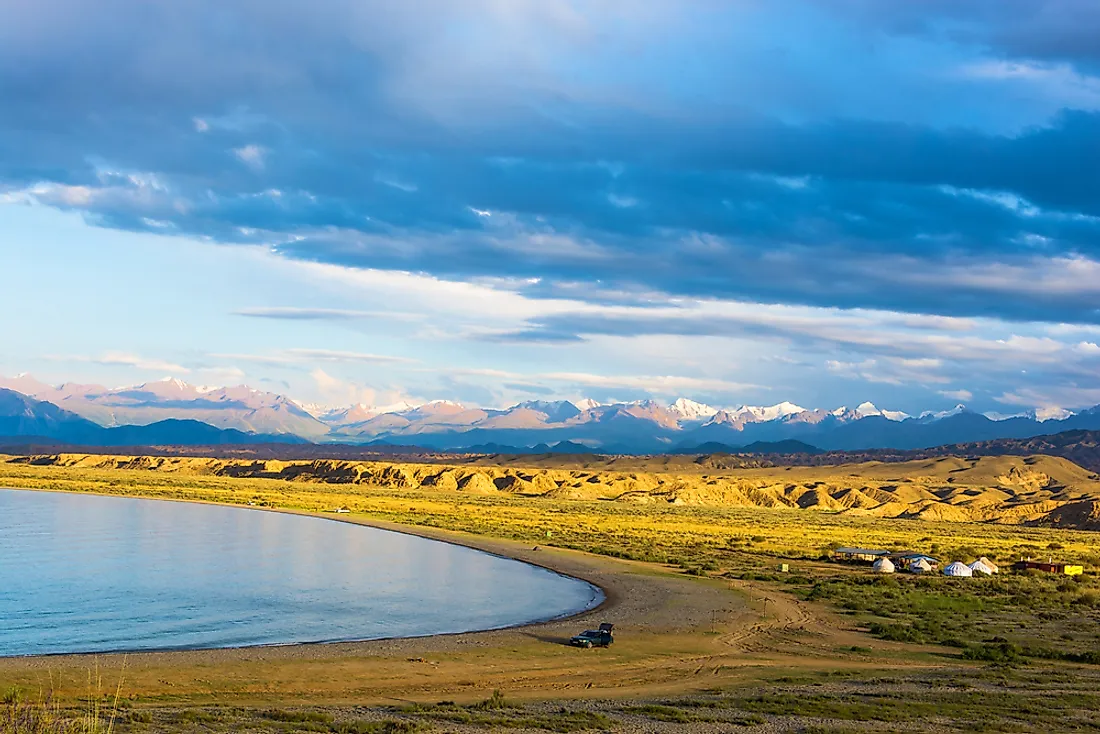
x=920, y=566
x=883, y=565
x=957, y=568
x=983, y=566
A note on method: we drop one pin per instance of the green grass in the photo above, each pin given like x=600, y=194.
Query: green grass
x=1009, y=701
x=1000, y=619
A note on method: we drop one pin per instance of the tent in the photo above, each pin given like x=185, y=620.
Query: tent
x=980, y=566
x=920, y=566
x=883, y=565
x=987, y=563
x=957, y=568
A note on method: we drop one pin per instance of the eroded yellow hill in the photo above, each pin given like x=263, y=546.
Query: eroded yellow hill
x=1002, y=489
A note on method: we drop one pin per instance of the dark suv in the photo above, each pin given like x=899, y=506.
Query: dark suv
x=602, y=637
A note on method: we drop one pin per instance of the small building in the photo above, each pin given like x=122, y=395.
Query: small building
x=1048, y=567
x=861, y=555
x=906, y=558
x=883, y=565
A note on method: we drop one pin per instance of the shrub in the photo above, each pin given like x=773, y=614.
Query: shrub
x=1001, y=653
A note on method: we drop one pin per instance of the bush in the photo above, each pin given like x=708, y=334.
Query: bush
x=1000, y=653
x=896, y=632
x=494, y=702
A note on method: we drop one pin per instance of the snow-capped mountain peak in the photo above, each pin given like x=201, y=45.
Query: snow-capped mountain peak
x=763, y=414
x=399, y=407
x=869, y=409
x=934, y=415
x=689, y=410
x=1051, y=413
x=586, y=404
x=169, y=386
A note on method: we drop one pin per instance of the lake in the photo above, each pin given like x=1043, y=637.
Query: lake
x=81, y=573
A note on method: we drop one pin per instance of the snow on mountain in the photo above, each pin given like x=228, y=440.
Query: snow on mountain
x=357, y=413
x=442, y=403
x=995, y=416
x=1051, y=413
x=867, y=410
x=642, y=425
x=401, y=406
x=933, y=415
x=689, y=410
x=763, y=414
x=169, y=387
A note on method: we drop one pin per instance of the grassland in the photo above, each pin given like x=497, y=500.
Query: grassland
x=825, y=647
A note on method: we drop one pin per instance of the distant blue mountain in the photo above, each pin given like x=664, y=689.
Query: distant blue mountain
x=26, y=418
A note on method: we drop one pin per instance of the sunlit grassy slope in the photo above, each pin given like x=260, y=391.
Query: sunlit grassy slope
x=548, y=506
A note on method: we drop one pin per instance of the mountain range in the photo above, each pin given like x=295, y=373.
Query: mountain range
x=154, y=412
x=26, y=418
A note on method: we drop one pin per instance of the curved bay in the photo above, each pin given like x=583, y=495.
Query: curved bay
x=84, y=573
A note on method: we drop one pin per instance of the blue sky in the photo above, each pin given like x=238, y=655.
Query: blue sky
x=498, y=200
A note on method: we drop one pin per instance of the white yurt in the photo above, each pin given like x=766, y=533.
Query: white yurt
x=980, y=566
x=987, y=563
x=957, y=568
x=920, y=566
x=883, y=565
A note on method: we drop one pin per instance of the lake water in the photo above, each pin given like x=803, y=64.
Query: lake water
x=80, y=573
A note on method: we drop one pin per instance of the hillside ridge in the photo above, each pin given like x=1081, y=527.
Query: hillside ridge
x=1033, y=490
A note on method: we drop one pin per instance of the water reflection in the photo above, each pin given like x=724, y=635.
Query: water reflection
x=80, y=573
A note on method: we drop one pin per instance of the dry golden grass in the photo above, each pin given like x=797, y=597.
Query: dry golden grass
x=793, y=666
x=570, y=508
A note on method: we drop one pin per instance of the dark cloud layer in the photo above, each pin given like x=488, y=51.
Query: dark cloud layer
x=534, y=142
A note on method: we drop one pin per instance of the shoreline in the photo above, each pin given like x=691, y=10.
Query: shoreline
x=568, y=563
x=674, y=633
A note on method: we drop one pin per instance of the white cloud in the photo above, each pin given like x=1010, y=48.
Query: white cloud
x=337, y=392
x=332, y=355
x=294, y=313
x=124, y=359
x=253, y=156
x=1052, y=396
x=1061, y=82
x=653, y=384
x=960, y=395
x=622, y=202
x=395, y=183
x=290, y=357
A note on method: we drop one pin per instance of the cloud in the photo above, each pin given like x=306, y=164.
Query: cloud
x=1073, y=397
x=124, y=359
x=960, y=395
x=293, y=357
x=251, y=155
x=626, y=178
x=909, y=211
x=291, y=313
x=330, y=355
x=654, y=384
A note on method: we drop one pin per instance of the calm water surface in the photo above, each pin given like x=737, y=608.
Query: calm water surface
x=80, y=573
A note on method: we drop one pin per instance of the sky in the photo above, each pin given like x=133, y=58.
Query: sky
x=734, y=201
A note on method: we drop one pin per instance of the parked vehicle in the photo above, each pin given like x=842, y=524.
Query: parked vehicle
x=602, y=637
